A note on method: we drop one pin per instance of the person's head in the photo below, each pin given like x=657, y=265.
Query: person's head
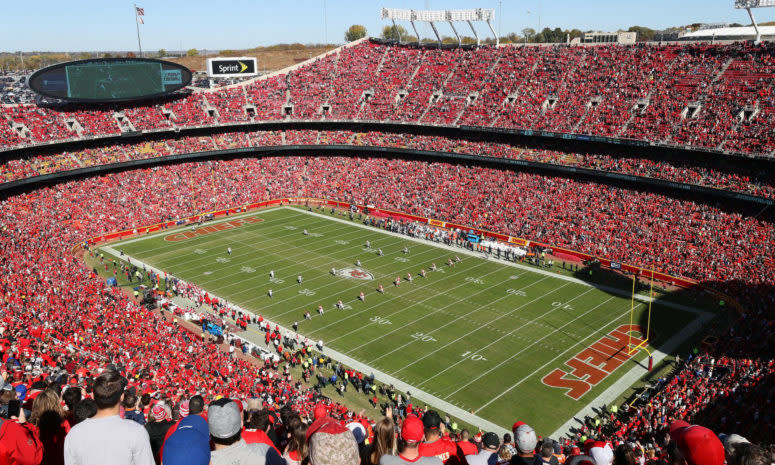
x=506, y=452
x=189, y=444
x=698, y=445
x=745, y=453
x=260, y=420
x=108, y=390
x=465, y=435
x=129, y=402
x=71, y=396
x=298, y=439
x=490, y=442
x=412, y=431
x=547, y=449
x=384, y=439
x=224, y=422
x=431, y=421
x=84, y=409
x=196, y=405
x=624, y=455
x=506, y=438
x=526, y=440
x=46, y=401
x=330, y=443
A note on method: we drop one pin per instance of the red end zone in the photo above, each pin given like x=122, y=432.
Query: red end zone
x=596, y=362
x=205, y=230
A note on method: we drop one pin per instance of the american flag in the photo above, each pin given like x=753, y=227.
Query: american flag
x=140, y=13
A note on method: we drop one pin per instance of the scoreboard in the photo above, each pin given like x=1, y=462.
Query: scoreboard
x=110, y=79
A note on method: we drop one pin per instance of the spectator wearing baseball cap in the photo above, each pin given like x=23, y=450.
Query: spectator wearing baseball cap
x=331, y=443
x=191, y=407
x=436, y=445
x=694, y=445
x=525, y=439
x=189, y=444
x=490, y=444
x=412, y=433
x=225, y=425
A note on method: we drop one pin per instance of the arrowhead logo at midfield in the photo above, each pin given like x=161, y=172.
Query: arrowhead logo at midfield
x=354, y=273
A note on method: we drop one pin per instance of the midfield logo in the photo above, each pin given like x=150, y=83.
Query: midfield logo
x=354, y=273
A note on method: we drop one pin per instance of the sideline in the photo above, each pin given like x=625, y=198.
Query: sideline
x=607, y=396
x=608, y=289
x=418, y=394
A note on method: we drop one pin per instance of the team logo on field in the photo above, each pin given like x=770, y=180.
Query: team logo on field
x=354, y=273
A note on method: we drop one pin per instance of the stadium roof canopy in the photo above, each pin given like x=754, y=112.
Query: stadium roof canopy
x=731, y=33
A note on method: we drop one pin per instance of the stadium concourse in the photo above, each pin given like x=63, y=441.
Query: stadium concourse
x=65, y=335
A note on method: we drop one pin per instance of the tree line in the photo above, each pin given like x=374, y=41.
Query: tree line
x=527, y=35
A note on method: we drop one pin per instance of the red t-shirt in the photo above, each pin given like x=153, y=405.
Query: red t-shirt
x=468, y=447
x=443, y=449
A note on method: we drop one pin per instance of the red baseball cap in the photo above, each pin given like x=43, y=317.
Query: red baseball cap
x=412, y=429
x=699, y=445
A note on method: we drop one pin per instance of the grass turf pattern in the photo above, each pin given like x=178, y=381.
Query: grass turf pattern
x=480, y=335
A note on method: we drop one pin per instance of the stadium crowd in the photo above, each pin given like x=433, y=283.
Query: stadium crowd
x=78, y=355
x=738, y=178
x=65, y=336
x=701, y=95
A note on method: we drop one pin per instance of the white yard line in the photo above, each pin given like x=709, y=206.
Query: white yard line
x=379, y=375
x=460, y=318
x=591, y=334
x=611, y=393
x=531, y=345
x=534, y=321
x=397, y=297
x=610, y=290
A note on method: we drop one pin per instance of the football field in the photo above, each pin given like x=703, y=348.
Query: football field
x=505, y=341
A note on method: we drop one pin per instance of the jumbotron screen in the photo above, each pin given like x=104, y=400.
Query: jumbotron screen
x=110, y=80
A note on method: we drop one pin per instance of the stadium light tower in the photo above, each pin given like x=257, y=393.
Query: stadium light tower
x=450, y=16
x=748, y=5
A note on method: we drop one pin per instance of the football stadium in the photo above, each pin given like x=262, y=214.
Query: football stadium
x=438, y=244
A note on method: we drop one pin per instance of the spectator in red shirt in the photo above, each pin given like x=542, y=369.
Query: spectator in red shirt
x=436, y=443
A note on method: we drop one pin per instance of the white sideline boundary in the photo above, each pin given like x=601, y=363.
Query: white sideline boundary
x=607, y=396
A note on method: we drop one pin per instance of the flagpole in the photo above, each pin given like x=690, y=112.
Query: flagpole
x=137, y=25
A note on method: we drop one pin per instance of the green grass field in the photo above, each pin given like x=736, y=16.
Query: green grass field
x=480, y=335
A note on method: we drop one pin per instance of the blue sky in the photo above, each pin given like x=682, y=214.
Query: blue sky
x=79, y=25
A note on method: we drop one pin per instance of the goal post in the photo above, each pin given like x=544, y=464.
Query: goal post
x=632, y=348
